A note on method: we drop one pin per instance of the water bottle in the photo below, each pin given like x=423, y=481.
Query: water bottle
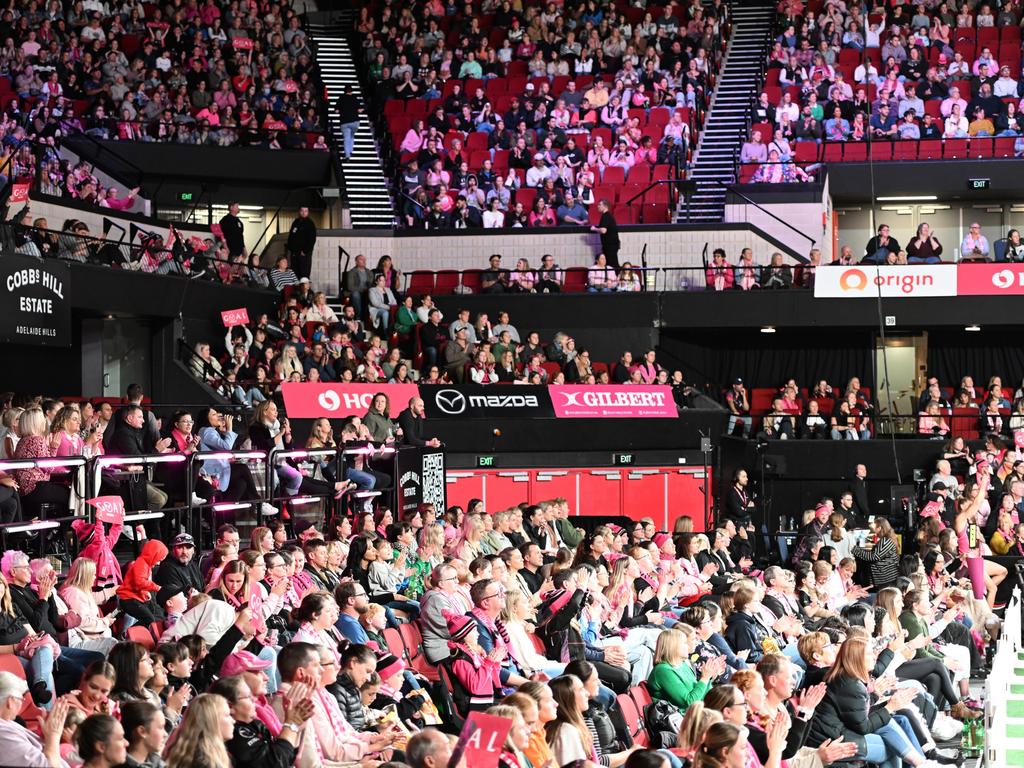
x=966, y=735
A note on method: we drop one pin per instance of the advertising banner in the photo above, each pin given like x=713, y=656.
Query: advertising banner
x=611, y=401
x=305, y=400
x=311, y=400
x=1002, y=279
x=477, y=401
x=35, y=307
x=421, y=477
x=866, y=281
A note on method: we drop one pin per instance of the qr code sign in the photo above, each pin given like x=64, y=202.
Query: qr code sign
x=433, y=479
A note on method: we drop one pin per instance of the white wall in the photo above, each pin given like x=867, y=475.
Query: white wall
x=805, y=217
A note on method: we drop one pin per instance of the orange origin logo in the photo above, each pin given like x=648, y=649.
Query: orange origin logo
x=853, y=280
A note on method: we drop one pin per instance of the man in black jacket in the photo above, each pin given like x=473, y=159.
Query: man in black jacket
x=151, y=431
x=432, y=336
x=859, y=488
x=348, y=116
x=179, y=572
x=301, y=241
x=130, y=440
x=608, y=228
x=234, y=231
x=411, y=421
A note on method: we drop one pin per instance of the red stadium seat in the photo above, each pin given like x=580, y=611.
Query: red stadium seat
x=807, y=151
x=640, y=174
x=833, y=152
x=881, y=151
x=905, y=150
x=446, y=281
x=141, y=635
x=471, y=279
x=855, y=152
x=661, y=173
x=526, y=196
x=955, y=149
x=655, y=213
x=575, y=282
x=929, y=149
x=395, y=644
x=476, y=140
x=613, y=175
x=625, y=214
x=420, y=282
x=1004, y=147
x=981, y=148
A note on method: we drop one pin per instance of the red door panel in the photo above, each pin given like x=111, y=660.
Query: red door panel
x=644, y=495
x=546, y=484
x=685, y=496
x=600, y=492
x=463, y=486
x=506, y=488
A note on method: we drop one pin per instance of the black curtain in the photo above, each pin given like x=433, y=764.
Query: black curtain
x=981, y=355
x=711, y=359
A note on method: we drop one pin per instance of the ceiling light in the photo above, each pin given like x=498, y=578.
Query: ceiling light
x=972, y=328
x=768, y=329
x=907, y=198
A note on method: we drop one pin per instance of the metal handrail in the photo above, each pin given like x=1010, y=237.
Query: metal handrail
x=732, y=188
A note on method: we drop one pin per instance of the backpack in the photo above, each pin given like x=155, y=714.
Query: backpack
x=663, y=721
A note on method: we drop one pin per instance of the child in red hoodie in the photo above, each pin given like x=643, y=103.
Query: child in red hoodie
x=135, y=595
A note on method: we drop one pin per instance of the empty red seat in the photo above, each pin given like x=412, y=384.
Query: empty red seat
x=1004, y=146
x=881, y=151
x=575, y=279
x=526, y=196
x=855, y=152
x=445, y=281
x=606, y=192
x=420, y=282
x=661, y=172
x=640, y=174
x=476, y=140
x=833, y=152
x=471, y=279
x=955, y=149
x=905, y=150
x=613, y=174
x=929, y=149
x=981, y=147
x=625, y=214
x=807, y=151
x=655, y=213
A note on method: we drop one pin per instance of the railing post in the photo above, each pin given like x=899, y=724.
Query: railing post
x=269, y=489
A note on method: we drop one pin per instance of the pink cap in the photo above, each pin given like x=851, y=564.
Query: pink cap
x=242, y=661
x=660, y=539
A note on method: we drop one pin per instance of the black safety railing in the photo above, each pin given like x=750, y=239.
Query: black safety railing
x=274, y=135
x=149, y=255
x=101, y=475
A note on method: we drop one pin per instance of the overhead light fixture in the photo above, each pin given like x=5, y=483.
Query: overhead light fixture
x=974, y=328
x=907, y=198
x=768, y=329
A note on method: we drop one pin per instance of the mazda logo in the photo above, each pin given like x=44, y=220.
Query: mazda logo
x=450, y=401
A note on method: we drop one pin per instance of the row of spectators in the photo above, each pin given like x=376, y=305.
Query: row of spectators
x=930, y=74
x=377, y=337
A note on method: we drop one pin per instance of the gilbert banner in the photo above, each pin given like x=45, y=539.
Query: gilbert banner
x=474, y=401
x=35, y=302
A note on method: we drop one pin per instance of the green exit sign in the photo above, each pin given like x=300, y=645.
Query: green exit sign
x=623, y=459
x=980, y=183
x=486, y=462
x=185, y=197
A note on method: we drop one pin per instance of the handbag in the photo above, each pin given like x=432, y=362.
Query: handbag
x=663, y=721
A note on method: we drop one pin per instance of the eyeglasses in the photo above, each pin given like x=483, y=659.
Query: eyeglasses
x=450, y=578
x=739, y=703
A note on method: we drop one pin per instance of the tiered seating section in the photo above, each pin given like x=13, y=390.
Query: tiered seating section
x=127, y=65
x=518, y=74
x=1003, y=43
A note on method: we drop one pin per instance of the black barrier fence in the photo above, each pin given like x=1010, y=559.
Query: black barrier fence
x=417, y=477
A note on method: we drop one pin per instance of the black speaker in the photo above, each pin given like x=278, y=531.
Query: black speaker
x=774, y=465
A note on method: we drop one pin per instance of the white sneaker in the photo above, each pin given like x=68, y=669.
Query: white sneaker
x=197, y=501
x=268, y=510
x=945, y=728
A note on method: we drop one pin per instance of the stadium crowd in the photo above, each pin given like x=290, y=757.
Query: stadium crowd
x=368, y=639
x=919, y=81
x=523, y=116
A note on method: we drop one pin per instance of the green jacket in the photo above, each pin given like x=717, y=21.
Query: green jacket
x=571, y=537
x=915, y=626
x=676, y=685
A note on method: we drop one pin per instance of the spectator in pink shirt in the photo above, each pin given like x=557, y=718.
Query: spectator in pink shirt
x=600, y=277
x=111, y=200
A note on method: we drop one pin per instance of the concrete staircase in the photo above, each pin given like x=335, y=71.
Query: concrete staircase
x=362, y=176
x=726, y=123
